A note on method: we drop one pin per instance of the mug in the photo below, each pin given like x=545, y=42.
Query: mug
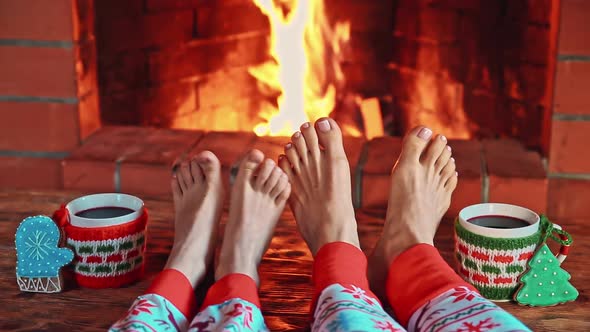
x=493, y=253
x=107, y=233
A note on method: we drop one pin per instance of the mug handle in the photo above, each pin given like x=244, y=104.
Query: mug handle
x=565, y=248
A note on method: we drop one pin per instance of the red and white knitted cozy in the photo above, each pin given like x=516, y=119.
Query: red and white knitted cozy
x=106, y=257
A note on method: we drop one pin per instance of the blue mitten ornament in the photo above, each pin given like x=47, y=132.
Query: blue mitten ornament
x=38, y=257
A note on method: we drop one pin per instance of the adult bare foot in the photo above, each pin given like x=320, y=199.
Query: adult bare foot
x=258, y=197
x=422, y=182
x=198, y=197
x=320, y=177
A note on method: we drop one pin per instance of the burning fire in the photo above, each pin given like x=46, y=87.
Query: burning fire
x=305, y=69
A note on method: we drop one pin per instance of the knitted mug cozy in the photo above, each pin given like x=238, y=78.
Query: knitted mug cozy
x=493, y=265
x=106, y=257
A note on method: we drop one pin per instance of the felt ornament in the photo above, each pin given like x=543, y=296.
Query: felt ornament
x=38, y=257
x=545, y=283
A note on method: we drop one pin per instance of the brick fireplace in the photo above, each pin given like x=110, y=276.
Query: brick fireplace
x=106, y=95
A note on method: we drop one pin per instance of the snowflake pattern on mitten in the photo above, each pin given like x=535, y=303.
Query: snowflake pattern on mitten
x=39, y=259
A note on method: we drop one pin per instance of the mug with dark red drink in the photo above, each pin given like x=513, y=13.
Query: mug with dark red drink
x=493, y=244
x=107, y=233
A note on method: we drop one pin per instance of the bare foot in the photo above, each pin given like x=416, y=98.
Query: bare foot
x=422, y=182
x=258, y=198
x=198, y=198
x=320, y=177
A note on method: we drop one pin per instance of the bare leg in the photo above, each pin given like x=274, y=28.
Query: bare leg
x=422, y=182
x=422, y=289
x=318, y=170
x=257, y=200
x=258, y=197
x=169, y=302
x=320, y=177
x=198, y=197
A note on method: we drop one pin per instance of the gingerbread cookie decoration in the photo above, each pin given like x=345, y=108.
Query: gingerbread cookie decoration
x=545, y=283
x=38, y=257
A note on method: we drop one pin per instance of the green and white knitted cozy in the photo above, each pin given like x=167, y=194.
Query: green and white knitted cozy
x=493, y=265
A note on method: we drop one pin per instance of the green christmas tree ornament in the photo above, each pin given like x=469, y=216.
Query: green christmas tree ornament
x=545, y=283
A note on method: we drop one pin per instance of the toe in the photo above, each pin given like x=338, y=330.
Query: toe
x=452, y=182
x=444, y=158
x=284, y=195
x=285, y=165
x=249, y=165
x=447, y=172
x=263, y=173
x=293, y=157
x=311, y=140
x=196, y=172
x=415, y=142
x=273, y=179
x=279, y=186
x=210, y=165
x=434, y=150
x=184, y=175
x=330, y=137
x=299, y=144
x=176, y=190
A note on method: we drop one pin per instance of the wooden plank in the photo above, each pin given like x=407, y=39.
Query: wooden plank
x=371, y=112
x=285, y=269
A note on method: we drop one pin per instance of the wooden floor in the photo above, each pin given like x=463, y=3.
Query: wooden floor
x=286, y=285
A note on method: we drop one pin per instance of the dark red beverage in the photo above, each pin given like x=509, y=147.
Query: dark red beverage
x=504, y=222
x=105, y=212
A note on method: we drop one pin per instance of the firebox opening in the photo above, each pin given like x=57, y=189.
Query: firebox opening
x=476, y=69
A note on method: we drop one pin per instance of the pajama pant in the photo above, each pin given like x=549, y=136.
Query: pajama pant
x=423, y=291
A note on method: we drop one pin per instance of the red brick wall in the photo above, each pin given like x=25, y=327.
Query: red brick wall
x=491, y=58
x=569, y=160
x=47, y=86
x=162, y=60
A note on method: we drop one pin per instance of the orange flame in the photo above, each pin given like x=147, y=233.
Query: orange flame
x=305, y=67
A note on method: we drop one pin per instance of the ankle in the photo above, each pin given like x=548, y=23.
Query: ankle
x=346, y=236
x=245, y=269
x=398, y=243
x=194, y=271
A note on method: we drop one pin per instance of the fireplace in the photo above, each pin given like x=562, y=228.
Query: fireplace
x=115, y=93
x=470, y=69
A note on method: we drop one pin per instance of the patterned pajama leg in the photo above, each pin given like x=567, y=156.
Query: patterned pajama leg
x=166, y=305
x=231, y=304
x=427, y=295
x=424, y=292
x=342, y=299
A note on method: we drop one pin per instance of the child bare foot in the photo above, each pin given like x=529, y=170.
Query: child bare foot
x=422, y=182
x=198, y=196
x=320, y=177
x=258, y=198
